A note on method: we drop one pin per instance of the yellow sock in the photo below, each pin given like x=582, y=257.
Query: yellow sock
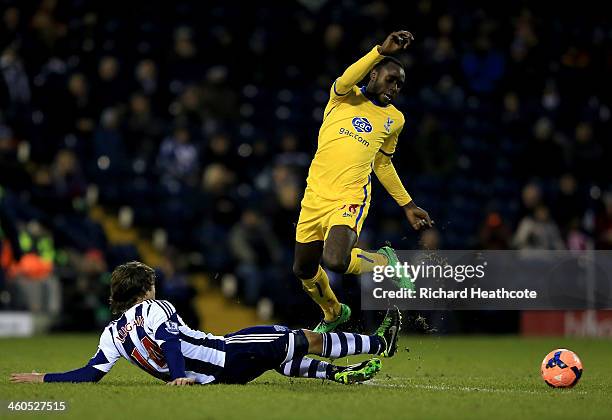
x=364, y=261
x=318, y=289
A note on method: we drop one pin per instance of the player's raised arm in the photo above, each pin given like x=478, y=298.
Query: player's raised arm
x=395, y=42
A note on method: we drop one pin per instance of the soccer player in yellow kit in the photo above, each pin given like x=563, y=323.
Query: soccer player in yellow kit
x=358, y=135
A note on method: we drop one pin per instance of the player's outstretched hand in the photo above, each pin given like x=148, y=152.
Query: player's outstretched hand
x=23, y=378
x=396, y=42
x=181, y=382
x=417, y=217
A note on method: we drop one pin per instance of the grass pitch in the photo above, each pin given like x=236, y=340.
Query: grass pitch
x=431, y=377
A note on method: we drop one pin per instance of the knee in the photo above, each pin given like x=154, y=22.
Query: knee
x=304, y=271
x=313, y=340
x=335, y=261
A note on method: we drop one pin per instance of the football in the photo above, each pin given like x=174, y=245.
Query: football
x=561, y=368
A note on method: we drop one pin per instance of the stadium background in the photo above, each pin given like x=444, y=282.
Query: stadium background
x=180, y=134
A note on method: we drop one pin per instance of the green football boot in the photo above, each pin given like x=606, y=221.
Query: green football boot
x=359, y=372
x=325, y=327
x=389, y=331
x=402, y=282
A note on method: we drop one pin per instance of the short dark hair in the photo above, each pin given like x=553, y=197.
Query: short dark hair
x=129, y=282
x=388, y=60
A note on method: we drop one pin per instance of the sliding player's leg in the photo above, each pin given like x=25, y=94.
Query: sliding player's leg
x=252, y=351
x=305, y=367
x=301, y=366
x=335, y=345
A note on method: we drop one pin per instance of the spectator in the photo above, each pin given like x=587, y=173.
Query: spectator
x=15, y=93
x=494, y=233
x=109, y=89
x=483, y=66
x=538, y=231
x=543, y=148
x=80, y=112
x=531, y=197
x=587, y=154
x=569, y=204
x=434, y=149
x=143, y=129
x=32, y=280
x=109, y=147
x=147, y=78
x=256, y=250
x=178, y=157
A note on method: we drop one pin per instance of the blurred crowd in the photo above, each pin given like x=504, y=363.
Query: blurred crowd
x=203, y=124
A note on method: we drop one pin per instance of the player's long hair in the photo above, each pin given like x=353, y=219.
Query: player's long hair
x=129, y=282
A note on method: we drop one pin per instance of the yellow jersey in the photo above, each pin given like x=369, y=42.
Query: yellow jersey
x=353, y=132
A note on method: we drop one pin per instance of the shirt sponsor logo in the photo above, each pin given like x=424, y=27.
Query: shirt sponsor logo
x=362, y=125
x=355, y=136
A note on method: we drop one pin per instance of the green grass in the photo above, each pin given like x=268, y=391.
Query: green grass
x=439, y=377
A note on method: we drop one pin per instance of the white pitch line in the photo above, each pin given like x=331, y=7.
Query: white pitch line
x=375, y=382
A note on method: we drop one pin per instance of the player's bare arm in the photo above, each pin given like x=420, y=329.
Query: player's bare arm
x=32, y=378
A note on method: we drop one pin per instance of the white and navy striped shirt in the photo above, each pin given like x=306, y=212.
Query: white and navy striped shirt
x=139, y=334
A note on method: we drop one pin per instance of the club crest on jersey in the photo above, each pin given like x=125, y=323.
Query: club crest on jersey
x=388, y=124
x=362, y=125
x=172, y=327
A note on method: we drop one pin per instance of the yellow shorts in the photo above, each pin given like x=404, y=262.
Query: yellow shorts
x=319, y=214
